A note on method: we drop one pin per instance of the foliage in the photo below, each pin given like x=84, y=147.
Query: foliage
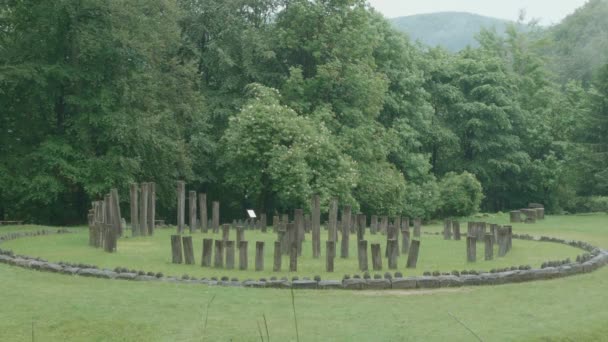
x=460, y=194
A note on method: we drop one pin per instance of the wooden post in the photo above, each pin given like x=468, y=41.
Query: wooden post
x=299, y=224
x=515, y=216
x=229, y=247
x=330, y=254
x=219, y=254
x=456, y=230
x=362, y=254
x=316, y=226
x=332, y=231
x=392, y=254
x=116, y=210
x=151, y=208
x=202, y=210
x=346, y=216
x=243, y=262
x=216, y=216
x=240, y=235
x=447, y=229
x=176, y=249
x=405, y=242
x=383, y=225
x=376, y=257
x=489, y=247
x=291, y=236
x=412, y=257
x=417, y=227
x=360, y=226
x=509, y=235
x=143, y=214
x=192, y=203
x=188, y=250
x=259, y=255
x=373, y=227
x=263, y=222
x=293, y=257
x=181, y=205
x=207, y=251
x=134, y=209
x=471, y=248
x=276, y=223
x=276, y=267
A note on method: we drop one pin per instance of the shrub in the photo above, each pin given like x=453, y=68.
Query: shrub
x=461, y=194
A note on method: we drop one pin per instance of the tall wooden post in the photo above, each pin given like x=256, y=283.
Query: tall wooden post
x=202, y=208
x=134, y=209
x=181, y=206
x=316, y=226
x=192, y=204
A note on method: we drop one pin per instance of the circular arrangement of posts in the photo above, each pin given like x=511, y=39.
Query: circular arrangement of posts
x=591, y=260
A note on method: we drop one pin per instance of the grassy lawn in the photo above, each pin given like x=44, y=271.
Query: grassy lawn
x=81, y=309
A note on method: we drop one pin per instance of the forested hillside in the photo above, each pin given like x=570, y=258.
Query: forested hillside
x=453, y=31
x=261, y=103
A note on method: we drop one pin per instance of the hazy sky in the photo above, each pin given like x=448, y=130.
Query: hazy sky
x=549, y=11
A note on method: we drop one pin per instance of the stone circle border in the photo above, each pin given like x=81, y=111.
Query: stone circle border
x=595, y=259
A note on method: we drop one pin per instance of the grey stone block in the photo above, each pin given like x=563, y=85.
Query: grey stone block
x=404, y=283
x=378, y=284
x=304, y=284
x=330, y=284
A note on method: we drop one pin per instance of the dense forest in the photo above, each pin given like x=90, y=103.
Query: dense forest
x=261, y=103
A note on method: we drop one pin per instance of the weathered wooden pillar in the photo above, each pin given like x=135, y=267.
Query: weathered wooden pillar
x=392, y=254
x=219, y=254
x=259, y=255
x=332, y=231
x=276, y=223
x=116, y=210
x=361, y=225
x=489, y=247
x=515, y=216
x=192, y=211
x=216, y=216
x=412, y=257
x=207, y=251
x=471, y=248
x=376, y=257
x=362, y=254
x=383, y=224
x=299, y=223
x=151, y=208
x=346, y=216
x=181, y=205
x=316, y=226
x=447, y=229
x=396, y=231
x=456, y=230
x=373, y=227
x=243, y=261
x=540, y=213
x=143, y=213
x=276, y=267
x=202, y=210
x=293, y=257
x=176, y=249
x=225, y=232
x=134, y=209
x=330, y=255
x=263, y=222
x=417, y=227
x=509, y=236
x=405, y=241
x=188, y=250
x=229, y=248
x=291, y=236
x=240, y=235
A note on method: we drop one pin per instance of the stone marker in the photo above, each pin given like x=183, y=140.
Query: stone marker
x=362, y=254
x=330, y=254
x=176, y=249
x=215, y=216
x=392, y=254
x=219, y=254
x=515, y=216
x=259, y=255
x=373, y=227
x=276, y=267
x=192, y=203
x=225, y=232
x=143, y=210
x=456, y=230
x=188, y=250
x=530, y=215
x=376, y=257
x=243, y=262
x=540, y=213
x=293, y=257
x=489, y=247
x=471, y=248
x=229, y=248
x=202, y=212
x=316, y=226
x=417, y=227
x=207, y=251
x=134, y=209
x=181, y=205
x=332, y=231
x=346, y=216
x=412, y=257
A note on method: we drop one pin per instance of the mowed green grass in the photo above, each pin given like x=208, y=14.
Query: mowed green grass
x=64, y=308
x=154, y=254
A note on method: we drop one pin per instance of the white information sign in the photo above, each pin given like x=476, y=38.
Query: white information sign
x=251, y=213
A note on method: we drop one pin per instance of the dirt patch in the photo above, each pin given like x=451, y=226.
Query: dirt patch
x=413, y=292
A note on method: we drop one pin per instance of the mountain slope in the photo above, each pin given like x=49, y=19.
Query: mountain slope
x=451, y=30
